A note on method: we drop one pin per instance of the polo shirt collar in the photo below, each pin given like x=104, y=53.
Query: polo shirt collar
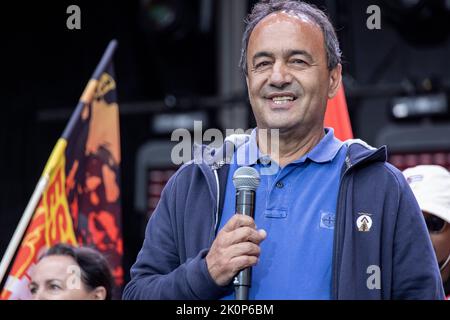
x=325, y=151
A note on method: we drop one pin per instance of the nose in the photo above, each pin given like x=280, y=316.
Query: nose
x=280, y=76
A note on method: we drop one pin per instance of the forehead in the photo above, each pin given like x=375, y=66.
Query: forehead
x=285, y=30
x=53, y=267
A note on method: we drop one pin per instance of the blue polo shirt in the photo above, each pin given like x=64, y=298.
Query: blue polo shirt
x=296, y=205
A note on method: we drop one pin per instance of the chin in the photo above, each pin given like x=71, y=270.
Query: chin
x=280, y=124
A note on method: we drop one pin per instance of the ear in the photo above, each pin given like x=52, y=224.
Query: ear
x=99, y=293
x=335, y=81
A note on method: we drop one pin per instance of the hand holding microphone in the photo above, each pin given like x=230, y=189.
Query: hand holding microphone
x=236, y=246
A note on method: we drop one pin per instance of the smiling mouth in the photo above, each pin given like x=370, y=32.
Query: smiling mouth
x=282, y=100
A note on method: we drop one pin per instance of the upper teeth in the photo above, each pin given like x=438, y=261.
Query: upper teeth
x=280, y=100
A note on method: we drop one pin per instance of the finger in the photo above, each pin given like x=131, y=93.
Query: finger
x=243, y=249
x=243, y=262
x=263, y=233
x=237, y=221
x=244, y=234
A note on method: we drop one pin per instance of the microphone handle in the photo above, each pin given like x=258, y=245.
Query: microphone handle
x=245, y=204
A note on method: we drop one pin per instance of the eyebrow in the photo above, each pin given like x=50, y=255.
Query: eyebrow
x=294, y=52
x=286, y=53
x=52, y=280
x=261, y=54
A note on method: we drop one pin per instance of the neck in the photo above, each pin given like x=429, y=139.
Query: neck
x=287, y=146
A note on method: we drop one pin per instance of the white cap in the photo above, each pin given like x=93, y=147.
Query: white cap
x=431, y=186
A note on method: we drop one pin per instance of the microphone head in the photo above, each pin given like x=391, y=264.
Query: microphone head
x=246, y=178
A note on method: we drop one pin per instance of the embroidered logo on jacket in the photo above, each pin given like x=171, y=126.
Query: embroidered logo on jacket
x=364, y=222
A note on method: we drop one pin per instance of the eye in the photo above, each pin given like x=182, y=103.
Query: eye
x=262, y=64
x=298, y=61
x=54, y=287
x=33, y=289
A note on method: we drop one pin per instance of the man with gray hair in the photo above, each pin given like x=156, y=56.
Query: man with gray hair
x=333, y=221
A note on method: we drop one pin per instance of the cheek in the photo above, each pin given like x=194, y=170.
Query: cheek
x=316, y=86
x=73, y=294
x=81, y=294
x=61, y=295
x=314, y=78
x=441, y=244
x=253, y=87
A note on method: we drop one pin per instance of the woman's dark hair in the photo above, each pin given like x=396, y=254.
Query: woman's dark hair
x=95, y=271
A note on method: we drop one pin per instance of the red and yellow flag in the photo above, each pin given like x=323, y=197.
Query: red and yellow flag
x=51, y=224
x=337, y=116
x=80, y=204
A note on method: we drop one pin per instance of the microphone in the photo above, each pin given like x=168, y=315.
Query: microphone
x=246, y=181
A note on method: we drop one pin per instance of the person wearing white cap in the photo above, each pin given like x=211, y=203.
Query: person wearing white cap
x=431, y=186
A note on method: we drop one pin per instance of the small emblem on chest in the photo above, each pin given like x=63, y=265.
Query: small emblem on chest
x=364, y=222
x=327, y=220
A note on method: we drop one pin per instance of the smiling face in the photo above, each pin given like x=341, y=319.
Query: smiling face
x=288, y=79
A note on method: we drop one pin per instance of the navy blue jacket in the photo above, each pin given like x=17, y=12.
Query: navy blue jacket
x=393, y=260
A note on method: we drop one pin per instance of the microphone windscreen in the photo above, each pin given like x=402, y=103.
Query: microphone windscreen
x=246, y=178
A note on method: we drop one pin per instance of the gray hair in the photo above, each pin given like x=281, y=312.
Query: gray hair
x=267, y=7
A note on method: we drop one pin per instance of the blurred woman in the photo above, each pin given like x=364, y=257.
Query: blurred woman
x=431, y=186
x=71, y=273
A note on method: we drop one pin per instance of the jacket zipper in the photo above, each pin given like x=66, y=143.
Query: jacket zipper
x=339, y=213
x=216, y=218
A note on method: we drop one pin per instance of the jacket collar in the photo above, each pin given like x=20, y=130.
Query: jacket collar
x=360, y=152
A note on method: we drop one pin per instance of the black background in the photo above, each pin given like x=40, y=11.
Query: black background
x=44, y=67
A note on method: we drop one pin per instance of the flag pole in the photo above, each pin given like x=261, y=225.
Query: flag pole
x=57, y=151
x=56, y=154
x=89, y=91
x=23, y=224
